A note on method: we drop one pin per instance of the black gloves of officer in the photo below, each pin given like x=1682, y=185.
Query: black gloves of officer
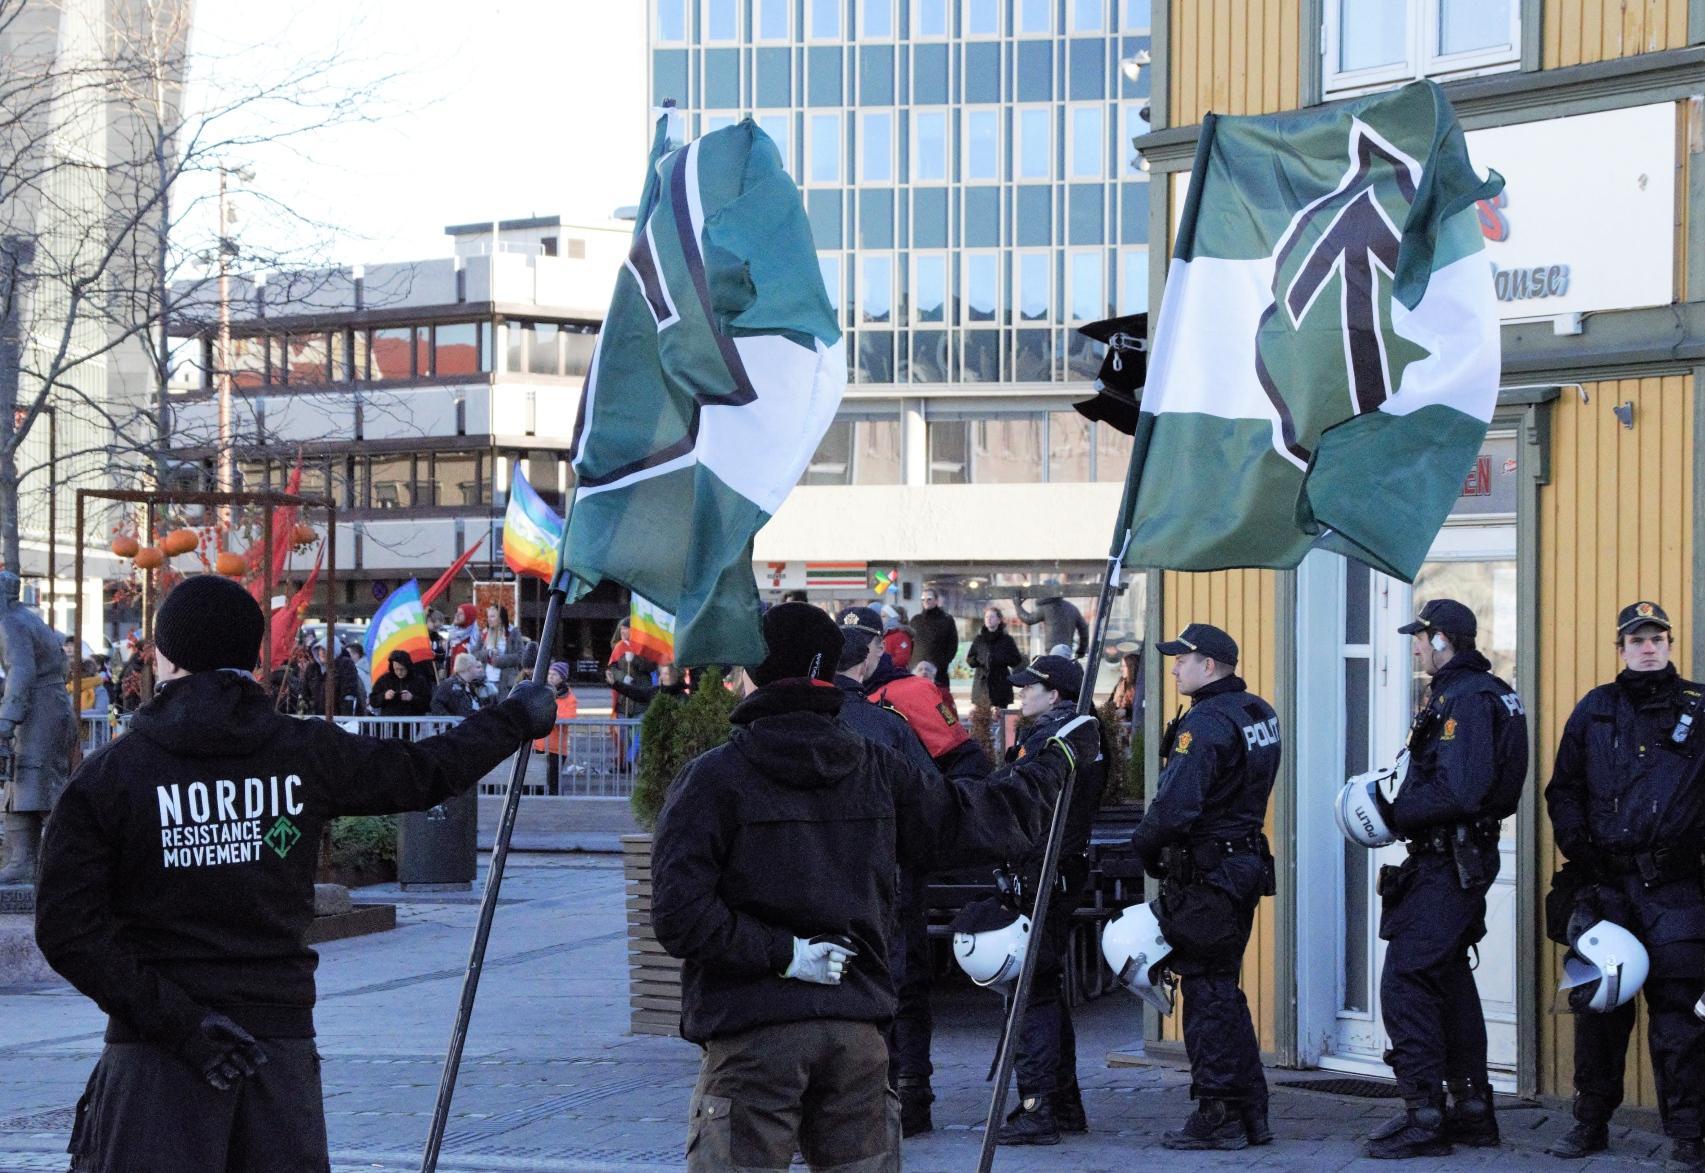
x=540, y=704
x=222, y=1052
x=1080, y=738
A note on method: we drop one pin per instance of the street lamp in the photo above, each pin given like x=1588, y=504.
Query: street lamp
x=1132, y=66
x=226, y=474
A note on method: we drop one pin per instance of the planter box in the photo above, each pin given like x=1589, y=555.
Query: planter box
x=654, y=977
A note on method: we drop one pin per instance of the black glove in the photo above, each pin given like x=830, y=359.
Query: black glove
x=538, y=704
x=1081, y=739
x=222, y=1052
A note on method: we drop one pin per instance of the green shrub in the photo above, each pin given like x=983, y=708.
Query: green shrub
x=1124, y=754
x=674, y=732
x=364, y=844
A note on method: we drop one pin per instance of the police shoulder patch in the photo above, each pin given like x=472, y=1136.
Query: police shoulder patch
x=1182, y=745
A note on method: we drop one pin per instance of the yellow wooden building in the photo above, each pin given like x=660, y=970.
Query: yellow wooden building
x=1586, y=495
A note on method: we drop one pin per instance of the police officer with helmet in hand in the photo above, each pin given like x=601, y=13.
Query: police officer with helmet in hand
x=1201, y=834
x=1467, y=765
x=1627, y=810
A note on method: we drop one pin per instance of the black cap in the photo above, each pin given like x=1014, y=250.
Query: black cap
x=1446, y=615
x=207, y=622
x=1057, y=672
x=1640, y=614
x=1205, y=640
x=864, y=620
x=802, y=641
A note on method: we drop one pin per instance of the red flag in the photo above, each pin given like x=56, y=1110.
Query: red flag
x=287, y=620
x=283, y=526
x=449, y=576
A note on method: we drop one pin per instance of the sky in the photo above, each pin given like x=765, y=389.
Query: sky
x=488, y=110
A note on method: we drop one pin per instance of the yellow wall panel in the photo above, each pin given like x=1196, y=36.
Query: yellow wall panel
x=1615, y=525
x=1233, y=57
x=1245, y=604
x=1578, y=31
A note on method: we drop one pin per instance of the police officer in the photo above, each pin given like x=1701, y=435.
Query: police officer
x=1467, y=764
x=1626, y=808
x=177, y=883
x=1202, y=834
x=909, y=1066
x=1049, y=1102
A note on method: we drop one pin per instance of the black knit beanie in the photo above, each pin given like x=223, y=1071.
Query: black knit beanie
x=802, y=641
x=208, y=622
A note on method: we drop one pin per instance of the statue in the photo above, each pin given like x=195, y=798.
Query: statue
x=36, y=723
x=1061, y=621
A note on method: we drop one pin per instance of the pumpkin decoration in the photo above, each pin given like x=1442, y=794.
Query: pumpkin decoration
x=231, y=565
x=303, y=535
x=126, y=546
x=180, y=541
x=149, y=558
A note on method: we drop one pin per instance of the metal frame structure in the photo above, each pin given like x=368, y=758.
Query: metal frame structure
x=269, y=501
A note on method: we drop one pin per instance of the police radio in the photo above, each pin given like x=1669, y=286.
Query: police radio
x=1684, y=723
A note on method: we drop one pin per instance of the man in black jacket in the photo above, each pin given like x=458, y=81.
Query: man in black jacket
x=774, y=880
x=1467, y=765
x=1046, y=1066
x=935, y=637
x=1628, y=809
x=177, y=883
x=1202, y=835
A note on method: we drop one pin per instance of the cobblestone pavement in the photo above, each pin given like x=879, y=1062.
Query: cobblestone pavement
x=552, y=1081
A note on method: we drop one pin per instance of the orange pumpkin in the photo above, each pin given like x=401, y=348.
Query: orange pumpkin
x=149, y=558
x=231, y=565
x=125, y=546
x=303, y=535
x=180, y=541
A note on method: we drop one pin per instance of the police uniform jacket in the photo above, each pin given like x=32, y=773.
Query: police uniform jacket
x=1619, y=790
x=795, y=828
x=880, y=724
x=177, y=872
x=1467, y=751
x=1086, y=797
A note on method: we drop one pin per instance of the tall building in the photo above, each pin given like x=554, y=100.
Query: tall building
x=967, y=169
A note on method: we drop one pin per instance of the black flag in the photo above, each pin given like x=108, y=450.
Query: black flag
x=1119, y=384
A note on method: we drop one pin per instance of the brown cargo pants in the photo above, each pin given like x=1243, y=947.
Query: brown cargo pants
x=818, y=1088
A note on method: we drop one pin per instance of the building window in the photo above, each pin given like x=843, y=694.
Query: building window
x=1034, y=271
x=578, y=346
x=857, y=450
x=982, y=287
x=949, y=451
x=876, y=288
x=780, y=129
x=825, y=19
x=1035, y=16
x=1135, y=124
x=721, y=20
x=830, y=264
x=981, y=18
x=307, y=359
x=391, y=482
x=823, y=145
x=542, y=356
x=929, y=146
x=1372, y=44
x=671, y=20
x=457, y=349
x=1087, y=16
x=1068, y=447
x=1136, y=15
x=929, y=18
x=982, y=144
x=390, y=352
x=929, y=287
x=1088, y=142
x=719, y=121
x=876, y=147
x=423, y=351
x=1035, y=142
x=1133, y=280
x=775, y=20
x=458, y=479
x=1088, y=299
x=875, y=19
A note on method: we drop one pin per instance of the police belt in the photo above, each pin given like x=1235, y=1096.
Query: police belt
x=1200, y=854
x=1437, y=840
x=1661, y=865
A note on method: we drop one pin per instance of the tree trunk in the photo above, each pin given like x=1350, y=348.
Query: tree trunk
x=16, y=254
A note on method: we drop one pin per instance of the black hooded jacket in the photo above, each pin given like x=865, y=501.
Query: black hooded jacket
x=794, y=828
x=1467, y=750
x=177, y=872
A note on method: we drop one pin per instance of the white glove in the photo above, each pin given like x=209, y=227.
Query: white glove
x=821, y=960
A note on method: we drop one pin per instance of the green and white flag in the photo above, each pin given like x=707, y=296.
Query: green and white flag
x=1326, y=359
x=718, y=369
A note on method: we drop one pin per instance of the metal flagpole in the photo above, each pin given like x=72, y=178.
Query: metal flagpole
x=1057, y=828
x=560, y=583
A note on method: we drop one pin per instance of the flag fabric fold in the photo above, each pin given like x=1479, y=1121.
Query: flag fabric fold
x=1327, y=355
x=287, y=620
x=718, y=368
x=399, y=625
x=532, y=531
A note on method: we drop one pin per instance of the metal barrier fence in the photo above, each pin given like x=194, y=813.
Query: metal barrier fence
x=597, y=760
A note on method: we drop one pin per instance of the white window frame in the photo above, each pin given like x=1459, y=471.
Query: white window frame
x=687, y=10
x=1098, y=255
x=915, y=155
x=1130, y=126
x=965, y=20
x=813, y=33
x=1019, y=321
x=1018, y=21
x=859, y=286
x=1420, y=61
x=965, y=259
x=810, y=169
x=966, y=114
x=1099, y=172
x=914, y=310
x=864, y=34
x=758, y=37
x=947, y=7
x=864, y=176
x=704, y=7
x=784, y=143
x=1071, y=17
x=1050, y=119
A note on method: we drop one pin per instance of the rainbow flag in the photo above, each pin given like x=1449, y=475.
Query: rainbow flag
x=531, y=531
x=399, y=625
x=651, y=631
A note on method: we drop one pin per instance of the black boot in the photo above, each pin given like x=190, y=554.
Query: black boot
x=1215, y=1124
x=1255, y=1125
x=1067, y=1103
x=1583, y=1140
x=1032, y=1122
x=1471, y=1120
x=915, y=1099
x=1419, y=1132
x=1686, y=1155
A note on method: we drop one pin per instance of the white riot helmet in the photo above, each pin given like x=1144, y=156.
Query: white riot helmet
x=1604, y=968
x=1699, y=1007
x=989, y=951
x=1135, y=950
x=1361, y=810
